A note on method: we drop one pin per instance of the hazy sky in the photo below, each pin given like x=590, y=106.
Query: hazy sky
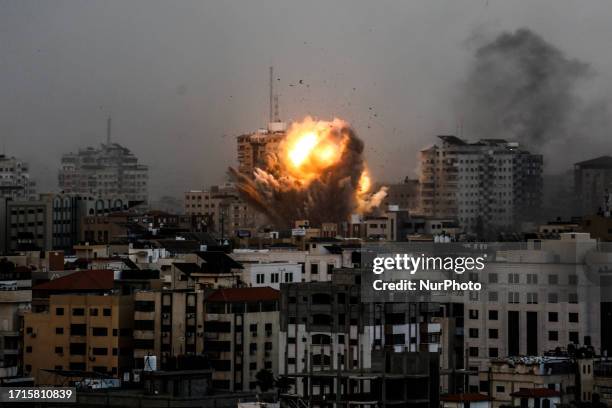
x=182, y=78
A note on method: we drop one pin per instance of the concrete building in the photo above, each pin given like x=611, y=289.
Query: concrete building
x=15, y=180
x=487, y=186
x=592, y=182
x=84, y=327
x=222, y=211
x=406, y=195
x=53, y=221
x=167, y=324
x=271, y=274
x=252, y=148
x=241, y=327
x=533, y=381
x=109, y=171
x=332, y=342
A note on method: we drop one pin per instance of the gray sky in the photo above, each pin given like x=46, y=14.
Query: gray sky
x=182, y=78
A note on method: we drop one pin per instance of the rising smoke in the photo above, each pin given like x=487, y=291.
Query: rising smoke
x=316, y=173
x=520, y=87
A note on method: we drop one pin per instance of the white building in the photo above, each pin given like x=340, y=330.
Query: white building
x=271, y=274
x=486, y=185
x=109, y=171
x=15, y=181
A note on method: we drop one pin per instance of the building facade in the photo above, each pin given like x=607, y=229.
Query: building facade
x=15, y=180
x=109, y=171
x=487, y=185
x=592, y=183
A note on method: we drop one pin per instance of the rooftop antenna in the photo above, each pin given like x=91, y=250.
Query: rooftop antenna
x=276, y=114
x=271, y=93
x=109, y=122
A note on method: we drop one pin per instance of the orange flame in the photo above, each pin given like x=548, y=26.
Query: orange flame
x=311, y=147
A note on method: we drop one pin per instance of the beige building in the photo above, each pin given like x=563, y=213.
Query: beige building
x=252, y=148
x=167, y=324
x=222, y=210
x=241, y=329
x=80, y=332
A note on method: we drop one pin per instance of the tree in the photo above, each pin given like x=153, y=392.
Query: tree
x=265, y=380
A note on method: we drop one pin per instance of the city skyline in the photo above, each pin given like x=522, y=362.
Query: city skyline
x=173, y=87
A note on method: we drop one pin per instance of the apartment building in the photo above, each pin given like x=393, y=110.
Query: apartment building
x=108, y=171
x=167, y=324
x=241, y=327
x=53, y=221
x=318, y=261
x=327, y=327
x=405, y=195
x=253, y=148
x=15, y=180
x=222, y=210
x=487, y=185
x=271, y=274
x=548, y=380
x=592, y=183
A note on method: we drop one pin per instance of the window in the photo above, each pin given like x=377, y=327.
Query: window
x=513, y=297
x=493, y=333
x=553, y=335
x=99, y=331
x=78, y=349
x=93, y=311
x=79, y=311
x=59, y=330
x=99, y=351
x=473, y=314
x=314, y=268
x=78, y=330
x=492, y=278
x=473, y=333
x=493, y=296
x=493, y=315
x=573, y=317
x=532, y=279
x=553, y=316
x=553, y=298
x=532, y=298
x=500, y=388
x=473, y=351
x=260, y=278
x=513, y=278
x=59, y=350
x=553, y=279
x=106, y=311
x=572, y=280
x=573, y=337
x=493, y=352
x=59, y=311
x=572, y=297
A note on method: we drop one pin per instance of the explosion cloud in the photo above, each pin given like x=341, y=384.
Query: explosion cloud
x=316, y=173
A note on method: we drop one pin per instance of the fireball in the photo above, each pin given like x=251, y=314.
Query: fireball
x=311, y=148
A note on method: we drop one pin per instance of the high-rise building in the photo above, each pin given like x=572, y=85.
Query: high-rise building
x=109, y=171
x=252, y=148
x=487, y=185
x=592, y=181
x=15, y=180
x=221, y=209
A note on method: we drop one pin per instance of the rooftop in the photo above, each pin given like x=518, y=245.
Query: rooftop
x=244, y=295
x=87, y=280
x=536, y=393
x=602, y=162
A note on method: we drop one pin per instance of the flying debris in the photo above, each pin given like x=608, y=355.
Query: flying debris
x=316, y=172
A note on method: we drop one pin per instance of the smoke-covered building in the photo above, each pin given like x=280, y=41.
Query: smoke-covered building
x=253, y=147
x=404, y=195
x=109, y=171
x=592, y=182
x=15, y=180
x=489, y=185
